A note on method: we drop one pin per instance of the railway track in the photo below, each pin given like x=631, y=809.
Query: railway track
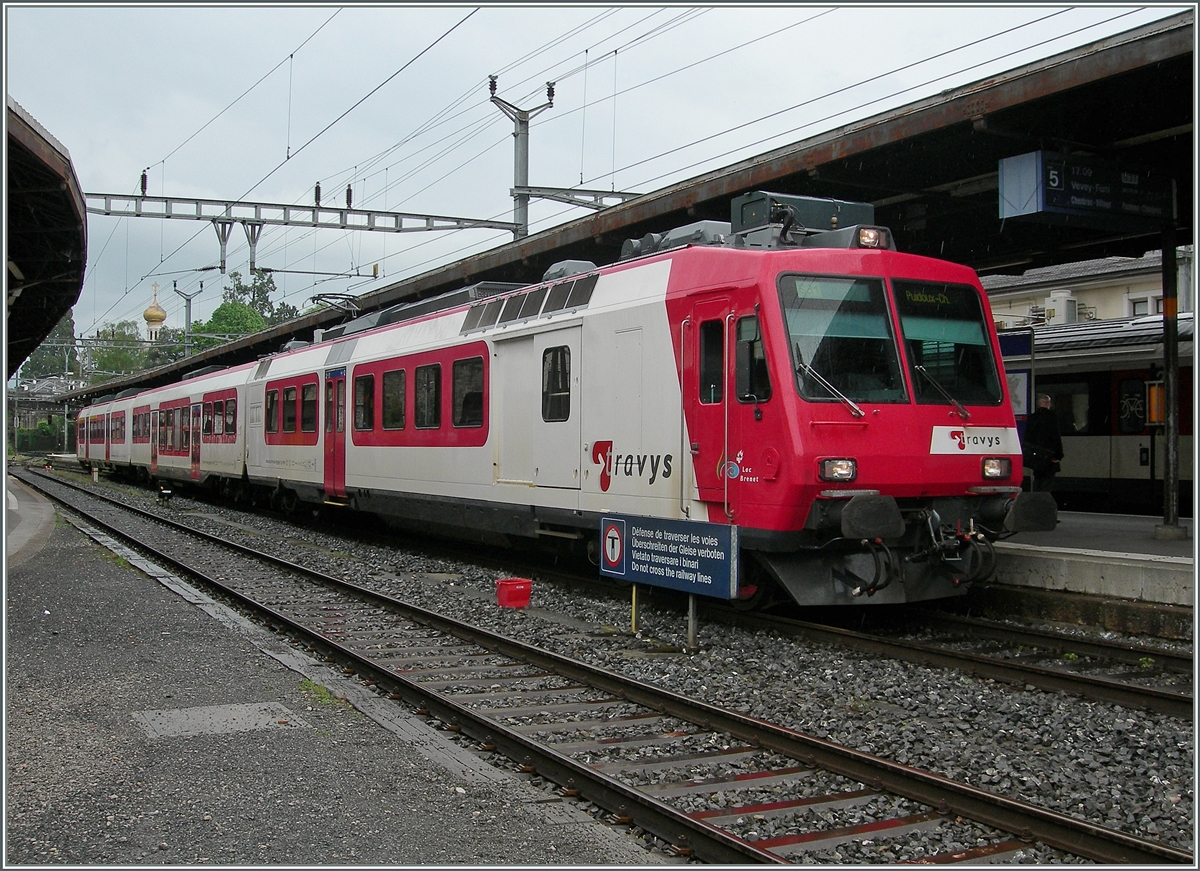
x=1126, y=674
x=716, y=785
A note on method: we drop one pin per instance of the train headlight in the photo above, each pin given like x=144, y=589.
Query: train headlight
x=843, y=470
x=997, y=467
x=872, y=237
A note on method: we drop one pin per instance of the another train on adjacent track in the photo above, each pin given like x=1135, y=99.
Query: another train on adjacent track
x=1106, y=380
x=842, y=404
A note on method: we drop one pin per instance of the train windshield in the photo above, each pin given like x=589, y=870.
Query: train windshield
x=841, y=339
x=948, y=345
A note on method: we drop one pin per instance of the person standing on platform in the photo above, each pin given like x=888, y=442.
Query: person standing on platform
x=1042, y=447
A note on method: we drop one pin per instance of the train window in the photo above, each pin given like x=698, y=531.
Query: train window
x=308, y=408
x=712, y=360
x=427, y=403
x=218, y=427
x=393, y=399
x=364, y=402
x=184, y=430
x=289, y=409
x=231, y=416
x=206, y=426
x=533, y=302
x=474, y=313
x=753, y=381
x=1071, y=403
x=491, y=311
x=341, y=405
x=557, y=300
x=556, y=384
x=840, y=336
x=170, y=442
x=272, y=411
x=512, y=308
x=944, y=333
x=328, y=406
x=581, y=291
x=466, y=392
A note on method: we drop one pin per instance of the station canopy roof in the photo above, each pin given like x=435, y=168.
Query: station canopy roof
x=46, y=235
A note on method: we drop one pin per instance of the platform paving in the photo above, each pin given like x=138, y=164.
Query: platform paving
x=1116, y=555
x=146, y=724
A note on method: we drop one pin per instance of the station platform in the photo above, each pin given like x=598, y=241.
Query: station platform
x=1114, y=555
x=147, y=724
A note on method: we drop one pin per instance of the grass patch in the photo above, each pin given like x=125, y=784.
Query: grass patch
x=320, y=694
x=117, y=559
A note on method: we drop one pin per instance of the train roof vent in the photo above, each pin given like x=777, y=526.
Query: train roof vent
x=407, y=311
x=203, y=370
x=293, y=345
x=565, y=268
x=129, y=391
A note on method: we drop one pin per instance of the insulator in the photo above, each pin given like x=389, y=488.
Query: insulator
x=143, y=183
x=317, y=193
x=492, y=84
x=550, y=91
x=349, y=195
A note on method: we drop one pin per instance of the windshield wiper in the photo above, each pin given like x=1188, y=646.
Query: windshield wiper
x=958, y=406
x=816, y=376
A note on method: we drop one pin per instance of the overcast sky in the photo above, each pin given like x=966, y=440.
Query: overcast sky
x=260, y=103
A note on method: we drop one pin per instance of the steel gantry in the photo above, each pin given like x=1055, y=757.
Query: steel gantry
x=223, y=214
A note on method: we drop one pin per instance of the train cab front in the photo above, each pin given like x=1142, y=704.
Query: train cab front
x=907, y=456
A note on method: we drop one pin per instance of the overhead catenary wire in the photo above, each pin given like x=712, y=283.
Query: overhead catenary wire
x=869, y=80
x=327, y=127
x=392, y=181
x=859, y=83
x=201, y=129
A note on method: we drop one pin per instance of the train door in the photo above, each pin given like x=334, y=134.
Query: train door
x=335, y=432
x=196, y=442
x=707, y=387
x=537, y=408
x=107, y=436
x=154, y=442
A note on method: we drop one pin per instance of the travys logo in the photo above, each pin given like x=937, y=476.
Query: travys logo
x=974, y=440
x=984, y=441
x=613, y=464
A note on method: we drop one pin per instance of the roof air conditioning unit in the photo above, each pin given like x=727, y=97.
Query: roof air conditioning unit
x=1062, y=307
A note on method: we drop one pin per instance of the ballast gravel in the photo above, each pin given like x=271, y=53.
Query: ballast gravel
x=1130, y=770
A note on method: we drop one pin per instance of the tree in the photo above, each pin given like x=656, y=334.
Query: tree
x=117, y=351
x=257, y=295
x=230, y=318
x=167, y=349
x=52, y=357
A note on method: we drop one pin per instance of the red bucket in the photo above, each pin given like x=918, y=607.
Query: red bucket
x=513, y=592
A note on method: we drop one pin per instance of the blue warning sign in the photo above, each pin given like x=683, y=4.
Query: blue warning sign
x=691, y=556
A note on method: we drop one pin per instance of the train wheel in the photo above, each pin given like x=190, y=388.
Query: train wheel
x=756, y=588
x=289, y=501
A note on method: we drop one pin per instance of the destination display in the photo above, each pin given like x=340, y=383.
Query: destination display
x=1071, y=188
x=693, y=557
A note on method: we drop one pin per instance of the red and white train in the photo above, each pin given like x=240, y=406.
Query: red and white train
x=842, y=403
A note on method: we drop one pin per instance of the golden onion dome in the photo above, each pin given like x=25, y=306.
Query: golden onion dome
x=155, y=314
